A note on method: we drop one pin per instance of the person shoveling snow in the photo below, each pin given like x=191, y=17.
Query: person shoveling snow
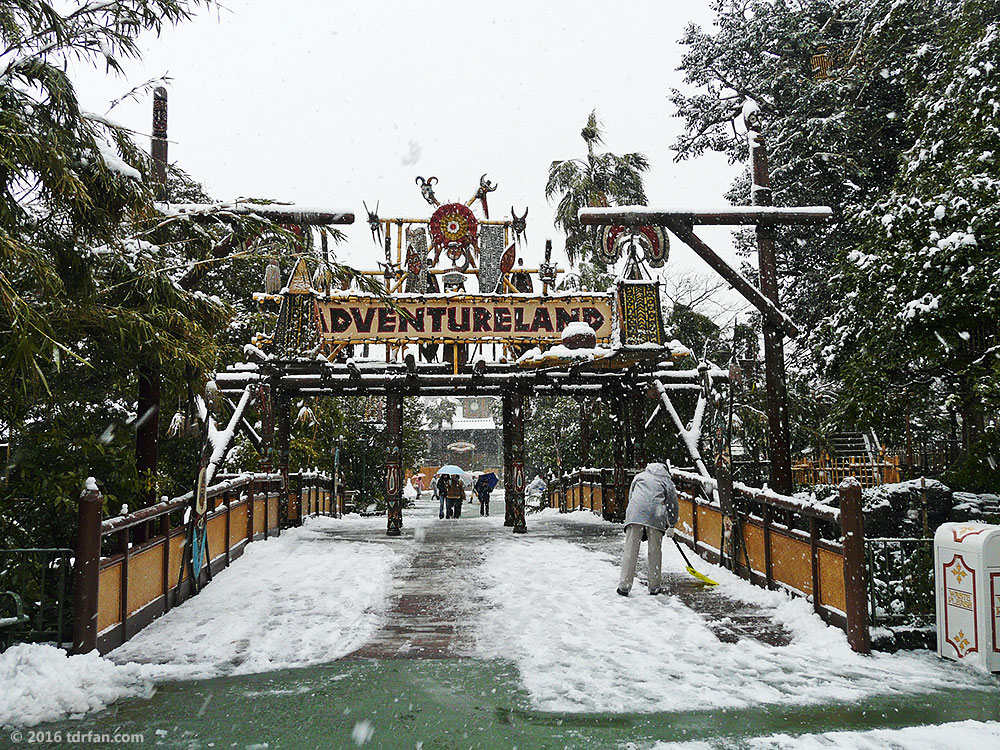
x=652, y=508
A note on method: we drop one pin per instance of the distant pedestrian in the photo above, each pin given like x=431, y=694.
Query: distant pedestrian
x=456, y=496
x=441, y=488
x=482, y=490
x=652, y=508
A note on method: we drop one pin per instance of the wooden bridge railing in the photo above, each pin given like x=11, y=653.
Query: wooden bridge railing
x=130, y=569
x=810, y=550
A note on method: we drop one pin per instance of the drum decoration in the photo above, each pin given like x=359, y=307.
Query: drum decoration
x=654, y=242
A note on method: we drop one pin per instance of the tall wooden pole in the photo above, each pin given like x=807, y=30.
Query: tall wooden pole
x=394, y=463
x=283, y=416
x=620, y=451
x=774, y=351
x=637, y=408
x=586, y=407
x=508, y=456
x=147, y=433
x=517, y=483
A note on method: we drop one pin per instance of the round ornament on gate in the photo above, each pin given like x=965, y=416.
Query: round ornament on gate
x=453, y=222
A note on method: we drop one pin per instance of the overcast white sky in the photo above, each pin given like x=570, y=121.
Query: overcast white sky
x=333, y=103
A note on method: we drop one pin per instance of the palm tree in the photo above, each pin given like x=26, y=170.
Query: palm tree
x=600, y=179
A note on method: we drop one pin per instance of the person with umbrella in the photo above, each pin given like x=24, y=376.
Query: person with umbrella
x=441, y=485
x=485, y=485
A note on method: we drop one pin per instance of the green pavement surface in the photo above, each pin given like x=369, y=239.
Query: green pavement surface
x=455, y=704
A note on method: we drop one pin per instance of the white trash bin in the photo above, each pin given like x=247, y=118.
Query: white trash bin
x=967, y=591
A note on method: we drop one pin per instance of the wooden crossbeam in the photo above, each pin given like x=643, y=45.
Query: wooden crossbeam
x=638, y=216
x=204, y=213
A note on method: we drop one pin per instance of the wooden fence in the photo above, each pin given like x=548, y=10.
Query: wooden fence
x=828, y=470
x=141, y=574
x=809, y=550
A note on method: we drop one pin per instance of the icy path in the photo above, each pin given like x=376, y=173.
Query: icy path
x=582, y=648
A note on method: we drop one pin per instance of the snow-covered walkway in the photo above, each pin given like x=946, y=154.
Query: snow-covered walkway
x=544, y=602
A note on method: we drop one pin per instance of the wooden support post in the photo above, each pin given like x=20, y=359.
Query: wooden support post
x=855, y=576
x=394, y=463
x=620, y=449
x=607, y=508
x=282, y=403
x=508, y=471
x=774, y=349
x=586, y=406
x=517, y=405
x=147, y=432
x=638, y=432
x=87, y=573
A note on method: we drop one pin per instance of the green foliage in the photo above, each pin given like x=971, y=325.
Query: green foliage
x=440, y=411
x=897, y=296
x=600, y=179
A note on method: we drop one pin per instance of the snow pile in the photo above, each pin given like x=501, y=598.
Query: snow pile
x=957, y=735
x=581, y=647
x=301, y=598
x=43, y=683
x=273, y=609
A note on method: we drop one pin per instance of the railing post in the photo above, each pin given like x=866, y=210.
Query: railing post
x=88, y=563
x=855, y=578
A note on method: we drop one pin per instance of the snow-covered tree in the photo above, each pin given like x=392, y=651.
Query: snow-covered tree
x=598, y=179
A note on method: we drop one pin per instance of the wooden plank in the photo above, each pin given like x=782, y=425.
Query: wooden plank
x=638, y=216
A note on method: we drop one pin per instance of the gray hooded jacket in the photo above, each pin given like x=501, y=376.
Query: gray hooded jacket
x=652, y=499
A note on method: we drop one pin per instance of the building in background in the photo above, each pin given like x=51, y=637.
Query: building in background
x=471, y=439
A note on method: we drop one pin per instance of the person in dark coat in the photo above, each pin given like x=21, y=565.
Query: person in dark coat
x=652, y=507
x=442, y=492
x=483, y=493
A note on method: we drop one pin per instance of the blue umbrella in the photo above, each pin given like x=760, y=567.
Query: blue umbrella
x=452, y=469
x=491, y=479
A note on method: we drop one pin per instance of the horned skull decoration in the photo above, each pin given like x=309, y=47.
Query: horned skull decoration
x=427, y=189
x=485, y=188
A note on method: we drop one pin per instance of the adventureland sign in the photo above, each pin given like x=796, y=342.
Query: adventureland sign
x=462, y=318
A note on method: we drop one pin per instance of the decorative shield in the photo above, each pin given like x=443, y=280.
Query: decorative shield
x=507, y=261
x=393, y=479
x=640, y=320
x=653, y=240
x=453, y=222
x=490, y=250
x=517, y=470
x=416, y=260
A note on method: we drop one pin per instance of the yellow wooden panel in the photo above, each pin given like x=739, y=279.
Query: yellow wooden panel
x=709, y=526
x=272, y=514
x=753, y=539
x=831, y=580
x=145, y=577
x=258, y=516
x=216, y=536
x=790, y=562
x=238, y=527
x=109, y=597
x=686, y=522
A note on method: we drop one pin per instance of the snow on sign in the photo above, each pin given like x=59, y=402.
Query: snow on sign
x=460, y=317
x=967, y=574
